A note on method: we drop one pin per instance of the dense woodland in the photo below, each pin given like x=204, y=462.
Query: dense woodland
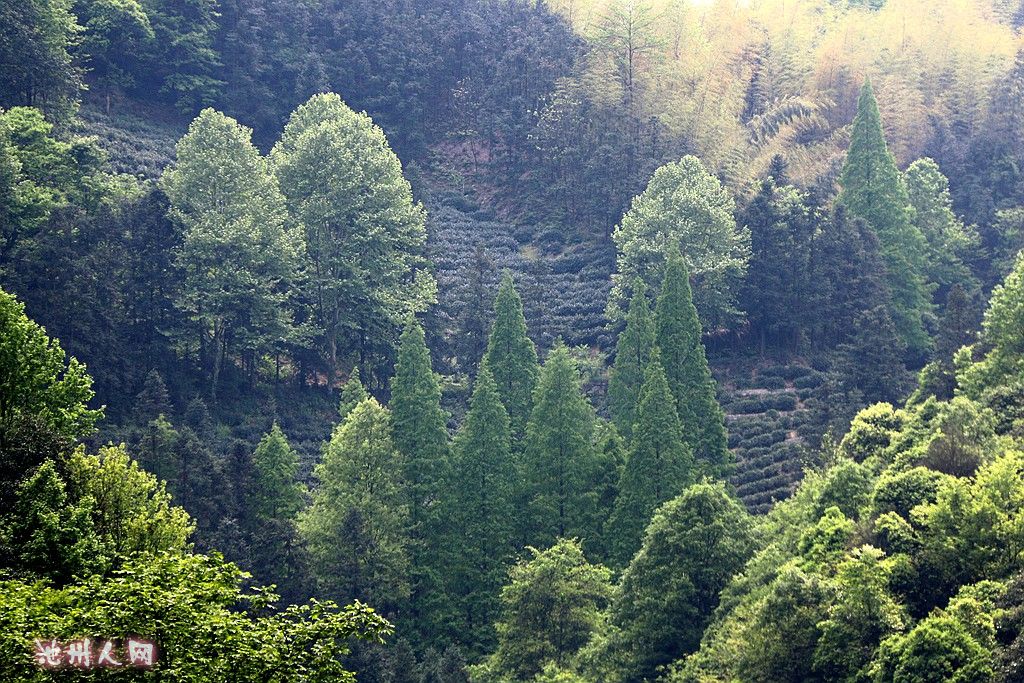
x=487, y=341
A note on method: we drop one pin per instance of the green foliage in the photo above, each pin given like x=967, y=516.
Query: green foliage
x=116, y=40
x=479, y=514
x=356, y=526
x=131, y=510
x=512, y=357
x=352, y=394
x=48, y=536
x=560, y=464
x=863, y=614
x=785, y=630
x=418, y=424
x=686, y=369
x=873, y=189
x=939, y=648
x=684, y=208
x=204, y=625
x=950, y=244
x=632, y=353
x=364, y=234
x=238, y=257
x=278, y=493
x=778, y=284
x=550, y=608
x=39, y=37
x=692, y=548
x=659, y=464
x=869, y=366
x=1003, y=364
x=184, y=64
x=38, y=380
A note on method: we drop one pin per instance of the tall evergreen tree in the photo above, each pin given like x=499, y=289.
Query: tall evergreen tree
x=278, y=492
x=560, y=462
x=154, y=399
x=356, y=525
x=611, y=460
x=959, y=326
x=479, y=516
x=683, y=357
x=658, y=468
x=868, y=368
x=632, y=352
x=420, y=435
x=873, y=189
x=512, y=357
x=418, y=423
x=352, y=394
x=848, y=275
x=774, y=293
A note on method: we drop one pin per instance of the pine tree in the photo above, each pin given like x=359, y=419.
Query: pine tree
x=774, y=293
x=868, y=368
x=352, y=394
x=848, y=275
x=611, y=460
x=512, y=357
x=480, y=513
x=154, y=399
x=658, y=468
x=873, y=189
x=420, y=435
x=560, y=461
x=418, y=423
x=156, y=450
x=278, y=494
x=632, y=352
x=678, y=338
x=356, y=525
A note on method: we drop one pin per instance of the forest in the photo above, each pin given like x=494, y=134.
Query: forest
x=512, y=341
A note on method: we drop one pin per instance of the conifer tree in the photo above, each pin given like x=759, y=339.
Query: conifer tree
x=356, y=525
x=632, y=352
x=156, y=449
x=658, y=468
x=560, y=461
x=873, y=189
x=611, y=459
x=352, y=394
x=480, y=513
x=512, y=357
x=959, y=326
x=278, y=493
x=418, y=423
x=420, y=435
x=154, y=399
x=868, y=368
x=774, y=293
x=678, y=337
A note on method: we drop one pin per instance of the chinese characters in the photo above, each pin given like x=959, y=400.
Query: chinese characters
x=86, y=653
